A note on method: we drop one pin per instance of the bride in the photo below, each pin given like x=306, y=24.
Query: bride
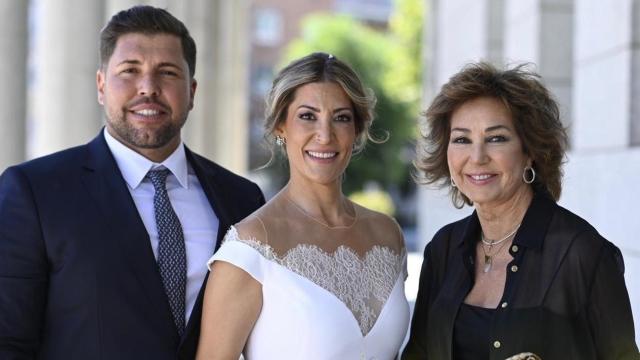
x=310, y=275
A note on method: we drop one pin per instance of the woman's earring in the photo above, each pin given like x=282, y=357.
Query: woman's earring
x=280, y=141
x=524, y=175
x=453, y=183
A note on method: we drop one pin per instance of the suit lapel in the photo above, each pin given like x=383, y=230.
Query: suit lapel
x=107, y=187
x=210, y=180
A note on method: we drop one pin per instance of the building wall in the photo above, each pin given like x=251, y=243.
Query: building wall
x=587, y=53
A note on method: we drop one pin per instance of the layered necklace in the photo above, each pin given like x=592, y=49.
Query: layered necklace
x=488, y=254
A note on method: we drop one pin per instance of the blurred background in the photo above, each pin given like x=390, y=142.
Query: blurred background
x=587, y=51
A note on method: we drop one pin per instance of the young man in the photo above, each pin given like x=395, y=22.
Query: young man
x=103, y=247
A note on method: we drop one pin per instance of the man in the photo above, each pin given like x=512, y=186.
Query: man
x=103, y=247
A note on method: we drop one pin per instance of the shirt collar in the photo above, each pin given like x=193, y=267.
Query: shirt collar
x=536, y=221
x=532, y=231
x=134, y=167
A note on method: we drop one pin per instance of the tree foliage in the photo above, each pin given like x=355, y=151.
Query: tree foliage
x=389, y=63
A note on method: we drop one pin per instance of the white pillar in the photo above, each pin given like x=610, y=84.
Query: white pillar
x=13, y=72
x=218, y=124
x=603, y=71
x=541, y=32
x=66, y=111
x=233, y=84
x=113, y=7
x=634, y=127
x=466, y=31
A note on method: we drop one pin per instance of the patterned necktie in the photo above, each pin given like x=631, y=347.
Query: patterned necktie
x=172, y=257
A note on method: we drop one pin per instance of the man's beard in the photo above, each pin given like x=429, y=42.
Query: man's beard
x=144, y=138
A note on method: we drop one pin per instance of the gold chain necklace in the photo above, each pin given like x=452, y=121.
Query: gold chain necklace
x=324, y=223
x=488, y=256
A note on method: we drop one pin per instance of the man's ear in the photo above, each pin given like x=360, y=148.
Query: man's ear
x=193, y=87
x=100, y=79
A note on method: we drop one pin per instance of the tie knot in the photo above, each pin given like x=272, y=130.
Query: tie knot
x=158, y=178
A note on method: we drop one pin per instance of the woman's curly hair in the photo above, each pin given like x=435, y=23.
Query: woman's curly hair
x=535, y=116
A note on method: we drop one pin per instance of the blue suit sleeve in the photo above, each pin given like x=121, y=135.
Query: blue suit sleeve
x=23, y=268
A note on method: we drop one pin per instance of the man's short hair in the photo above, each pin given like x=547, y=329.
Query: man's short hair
x=146, y=20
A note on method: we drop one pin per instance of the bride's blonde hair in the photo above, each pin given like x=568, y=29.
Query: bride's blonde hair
x=319, y=67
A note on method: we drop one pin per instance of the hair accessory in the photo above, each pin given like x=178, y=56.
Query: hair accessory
x=330, y=56
x=488, y=256
x=280, y=141
x=524, y=175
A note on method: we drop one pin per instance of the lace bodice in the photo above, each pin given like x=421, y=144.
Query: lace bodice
x=363, y=284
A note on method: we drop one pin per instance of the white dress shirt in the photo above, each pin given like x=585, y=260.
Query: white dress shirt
x=199, y=222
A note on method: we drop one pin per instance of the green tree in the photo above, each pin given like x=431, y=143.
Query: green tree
x=389, y=63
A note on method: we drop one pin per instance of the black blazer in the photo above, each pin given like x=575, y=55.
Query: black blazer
x=78, y=279
x=564, y=296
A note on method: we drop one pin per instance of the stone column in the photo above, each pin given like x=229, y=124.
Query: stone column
x=218, y=124
x=603, y=71
x=634, y=127
x=114, y=6
x=466, y=31
x=232, y=130
x=541, y=32
x=66, y=111
x=13, y=72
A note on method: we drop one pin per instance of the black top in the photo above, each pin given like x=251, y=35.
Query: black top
x=471, y=339
x=564, y=296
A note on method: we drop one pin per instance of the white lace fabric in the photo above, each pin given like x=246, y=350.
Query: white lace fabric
x=362, y=284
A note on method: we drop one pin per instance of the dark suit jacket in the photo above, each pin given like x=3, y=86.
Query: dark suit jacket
x=78, y=279
x=564, y=296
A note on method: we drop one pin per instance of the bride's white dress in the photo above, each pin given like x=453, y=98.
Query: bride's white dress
x=319, y=305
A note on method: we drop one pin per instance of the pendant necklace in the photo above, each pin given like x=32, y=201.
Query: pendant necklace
x=488, y=256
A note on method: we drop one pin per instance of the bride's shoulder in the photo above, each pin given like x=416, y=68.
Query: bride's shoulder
x=384, y=227
x=264, y=226
x=251, y=228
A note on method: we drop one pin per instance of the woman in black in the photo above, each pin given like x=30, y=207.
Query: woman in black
x=521, y=274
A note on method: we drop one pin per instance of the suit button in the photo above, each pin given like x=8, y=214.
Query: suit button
x=504, y=305
x=514, y=268
x=514, y=248
x=497, y=344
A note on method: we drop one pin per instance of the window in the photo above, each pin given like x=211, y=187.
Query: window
x=268, y=27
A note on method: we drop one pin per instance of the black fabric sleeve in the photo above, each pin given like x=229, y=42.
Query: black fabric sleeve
x=431, y=274
x=609, y=310
x=416, y=347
